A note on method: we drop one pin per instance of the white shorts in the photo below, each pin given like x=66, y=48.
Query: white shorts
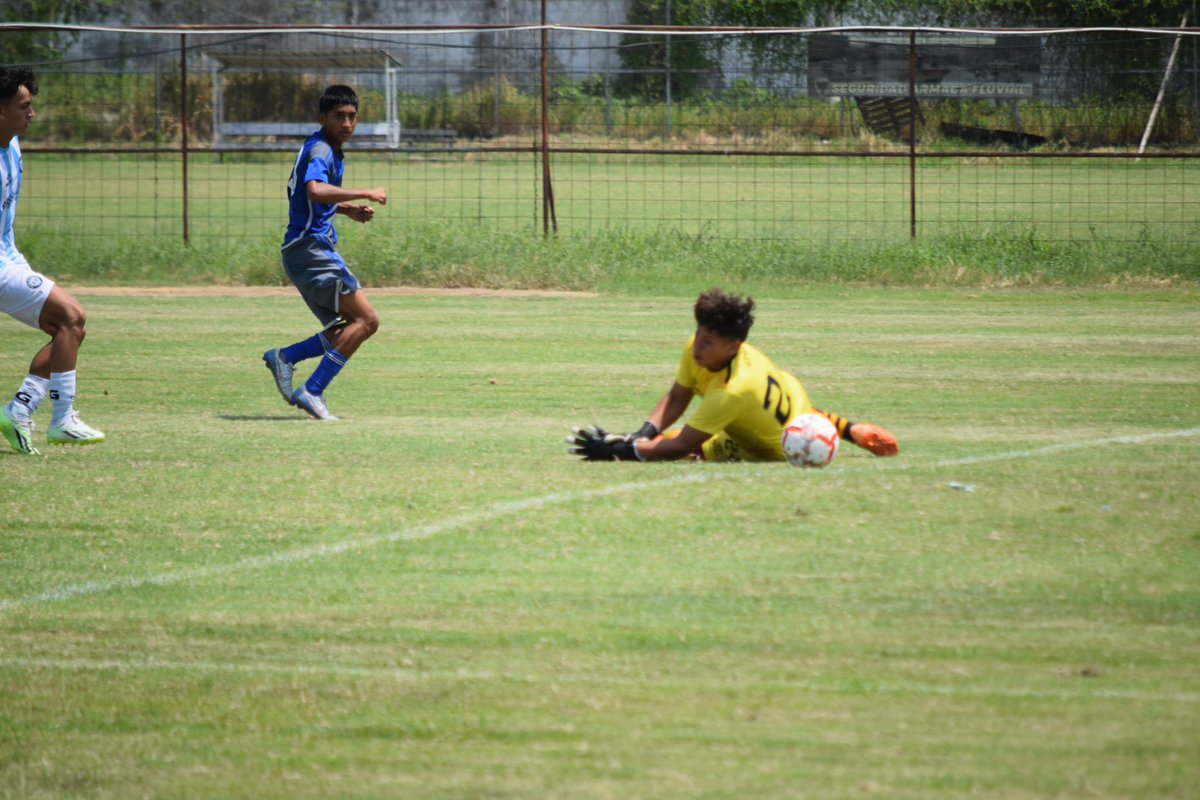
x=23, y=292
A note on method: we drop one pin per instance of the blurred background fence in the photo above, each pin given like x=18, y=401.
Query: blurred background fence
x=806, y=135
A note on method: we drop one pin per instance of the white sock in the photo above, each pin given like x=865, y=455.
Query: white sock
x=62, y=394
x=28, y=397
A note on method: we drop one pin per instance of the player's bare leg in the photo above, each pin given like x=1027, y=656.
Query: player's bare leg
x=65, y=321
x=52, y=370
x=361, y=323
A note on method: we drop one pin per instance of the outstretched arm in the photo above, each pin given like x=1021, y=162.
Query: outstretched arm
x=672, y=448
x=597, y=444
x=670, y=408
x=327, y=193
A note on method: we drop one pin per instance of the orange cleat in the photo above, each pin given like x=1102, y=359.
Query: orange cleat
x=874, y=438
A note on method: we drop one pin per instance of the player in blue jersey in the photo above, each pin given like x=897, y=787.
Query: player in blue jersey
x=31, y=297
x=311, y=260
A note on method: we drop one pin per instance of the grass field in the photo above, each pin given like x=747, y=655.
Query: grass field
x=431, y=599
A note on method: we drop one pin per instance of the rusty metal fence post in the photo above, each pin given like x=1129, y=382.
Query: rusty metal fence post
x=183, y=114
x=912, y=133
x=549, y=217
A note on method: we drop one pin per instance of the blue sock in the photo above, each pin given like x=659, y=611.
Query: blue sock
x=311, y=347
x=325, y=372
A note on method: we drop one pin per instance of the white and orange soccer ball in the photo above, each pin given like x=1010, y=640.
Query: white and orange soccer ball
x=810, y=440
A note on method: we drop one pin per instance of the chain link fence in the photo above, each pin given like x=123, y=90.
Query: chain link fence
x=826, y=135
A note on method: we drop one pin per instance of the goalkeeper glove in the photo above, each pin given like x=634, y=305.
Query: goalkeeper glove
x=874, y=438
x=597, y=444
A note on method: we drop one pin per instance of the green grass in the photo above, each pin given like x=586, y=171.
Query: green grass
x=628, y=221
x=431, y=599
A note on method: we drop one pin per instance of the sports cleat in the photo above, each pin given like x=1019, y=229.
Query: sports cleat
x=282, y=372
x=314, y=404
x=72, y=430
x=18, y=433
x=879, y=441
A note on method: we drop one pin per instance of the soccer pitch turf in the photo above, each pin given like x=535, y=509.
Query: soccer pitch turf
x=432, y=599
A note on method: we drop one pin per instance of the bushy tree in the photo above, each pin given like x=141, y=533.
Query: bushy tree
x=694, y=62
x=33, y=47
x=1029, y=13
x=648, y=58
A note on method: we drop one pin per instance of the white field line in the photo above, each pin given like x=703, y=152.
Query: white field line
x=398, y=675
x=320, y=551
x=509, y=508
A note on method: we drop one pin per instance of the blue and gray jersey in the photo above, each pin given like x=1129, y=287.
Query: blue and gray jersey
x=317, y=161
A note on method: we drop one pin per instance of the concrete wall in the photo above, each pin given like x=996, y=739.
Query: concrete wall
x=451, y=61
x=430, y=63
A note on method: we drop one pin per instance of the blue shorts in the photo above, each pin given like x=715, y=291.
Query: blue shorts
x=320, y=275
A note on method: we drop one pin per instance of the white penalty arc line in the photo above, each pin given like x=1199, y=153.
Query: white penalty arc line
x=320, y=551
x=509, y=508
x=409, y=675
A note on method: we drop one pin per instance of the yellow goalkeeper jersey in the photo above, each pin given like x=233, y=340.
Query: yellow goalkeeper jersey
x=744, y=406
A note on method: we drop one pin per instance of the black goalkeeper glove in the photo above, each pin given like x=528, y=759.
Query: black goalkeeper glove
x=597, y=444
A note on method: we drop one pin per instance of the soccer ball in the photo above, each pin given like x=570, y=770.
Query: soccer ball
x=810, y=440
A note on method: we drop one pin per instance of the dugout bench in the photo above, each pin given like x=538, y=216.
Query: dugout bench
x=378, y=135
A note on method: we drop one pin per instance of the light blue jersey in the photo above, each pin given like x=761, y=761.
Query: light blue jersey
x=317, y=161
x=11, y=171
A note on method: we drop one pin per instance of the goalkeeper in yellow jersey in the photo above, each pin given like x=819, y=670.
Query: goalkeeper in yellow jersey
x=746, y=401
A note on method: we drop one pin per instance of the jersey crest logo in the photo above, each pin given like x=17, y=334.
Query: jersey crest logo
x=34, y=281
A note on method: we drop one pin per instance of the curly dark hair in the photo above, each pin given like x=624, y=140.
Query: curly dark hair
x=337, y=96
x=728, y=315
x=13, y=78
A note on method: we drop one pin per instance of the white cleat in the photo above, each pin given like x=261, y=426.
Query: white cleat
x=314, y=404
x=19, y=433
x=72, y=430
x=281, y=371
